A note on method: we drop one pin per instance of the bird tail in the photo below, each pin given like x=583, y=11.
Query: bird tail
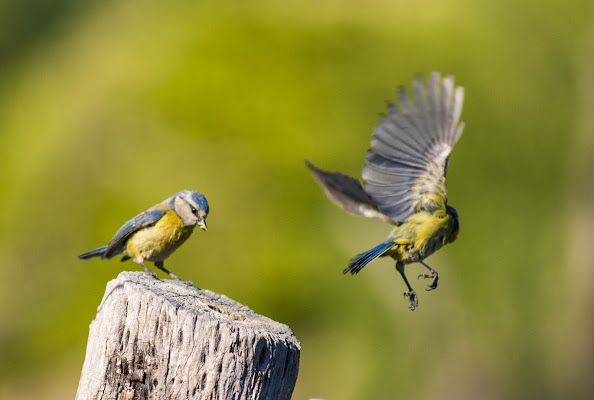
x=99, y=252
x=361, y=260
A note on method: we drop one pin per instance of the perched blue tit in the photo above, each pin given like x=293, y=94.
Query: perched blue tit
x=156, y=233
x=404, y=178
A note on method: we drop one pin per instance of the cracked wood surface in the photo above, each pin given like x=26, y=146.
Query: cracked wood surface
x=161, y=339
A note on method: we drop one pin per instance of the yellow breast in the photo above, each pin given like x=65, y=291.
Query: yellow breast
x=157, y=242
x=421, y=235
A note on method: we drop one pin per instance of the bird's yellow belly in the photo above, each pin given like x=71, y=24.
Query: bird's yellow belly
x=157, y=242
x=422, y=235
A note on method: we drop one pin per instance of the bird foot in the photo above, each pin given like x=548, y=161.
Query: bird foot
x=433, y=284
x=151, y=274
x=189, y=283
x=413, y=302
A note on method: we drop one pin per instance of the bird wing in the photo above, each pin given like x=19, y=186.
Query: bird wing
x=346, y=192
x=406, y=166
x=142, y=220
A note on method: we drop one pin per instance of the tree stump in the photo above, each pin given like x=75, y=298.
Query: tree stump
x=154, y=339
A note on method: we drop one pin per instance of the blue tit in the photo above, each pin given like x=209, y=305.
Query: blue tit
x=156, y=233
x=404, y=178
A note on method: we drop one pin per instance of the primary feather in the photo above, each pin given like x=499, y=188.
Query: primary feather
x=405, y=169
x=346, y=192
x=406, y=166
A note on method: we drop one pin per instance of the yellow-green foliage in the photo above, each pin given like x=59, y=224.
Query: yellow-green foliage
x=109, y=107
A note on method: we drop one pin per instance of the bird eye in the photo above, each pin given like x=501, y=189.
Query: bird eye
x=193, y=210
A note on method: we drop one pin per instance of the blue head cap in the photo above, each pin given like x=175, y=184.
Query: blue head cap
x=200, y=200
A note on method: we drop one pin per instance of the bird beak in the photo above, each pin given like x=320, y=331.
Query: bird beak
x=202, y=224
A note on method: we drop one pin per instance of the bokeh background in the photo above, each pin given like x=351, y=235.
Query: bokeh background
x=107, y=108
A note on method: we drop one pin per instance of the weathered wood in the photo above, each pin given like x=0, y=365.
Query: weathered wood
x=154, y=339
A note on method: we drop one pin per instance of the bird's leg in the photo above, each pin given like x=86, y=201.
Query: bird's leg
x=148, y=271
x=413, y=302
x=159, y=264
x=433, y=275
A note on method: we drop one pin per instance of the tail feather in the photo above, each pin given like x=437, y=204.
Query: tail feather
x=361, y=260
x=99, y=252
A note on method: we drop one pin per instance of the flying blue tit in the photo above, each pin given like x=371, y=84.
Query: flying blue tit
x=404, y=178
x=156, y=233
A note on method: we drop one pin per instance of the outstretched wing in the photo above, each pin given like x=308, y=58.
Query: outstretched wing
x=116, y=244
x=346, y=192
x=406, y=166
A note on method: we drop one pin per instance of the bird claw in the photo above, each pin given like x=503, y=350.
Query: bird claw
x=433, y=284
x=152, y=274
x=189, y=283
x=413, y=302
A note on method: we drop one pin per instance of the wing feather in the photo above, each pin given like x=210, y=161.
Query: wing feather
x=393, y=145
x=435, y=104
x=423, y=117
x=142, y=220
x=405, y=169
x=346, y=192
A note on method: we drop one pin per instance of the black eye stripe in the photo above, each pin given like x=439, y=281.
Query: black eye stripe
x=192, y=208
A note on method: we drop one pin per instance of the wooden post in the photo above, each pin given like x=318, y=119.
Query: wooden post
x=161, y=339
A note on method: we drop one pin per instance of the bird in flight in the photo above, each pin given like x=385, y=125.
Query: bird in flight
x=404, y=178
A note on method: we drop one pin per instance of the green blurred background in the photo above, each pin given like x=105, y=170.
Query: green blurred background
x=107, y=108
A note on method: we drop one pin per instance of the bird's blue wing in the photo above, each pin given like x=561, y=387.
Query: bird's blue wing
x=116, y=244
x=406, y=166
